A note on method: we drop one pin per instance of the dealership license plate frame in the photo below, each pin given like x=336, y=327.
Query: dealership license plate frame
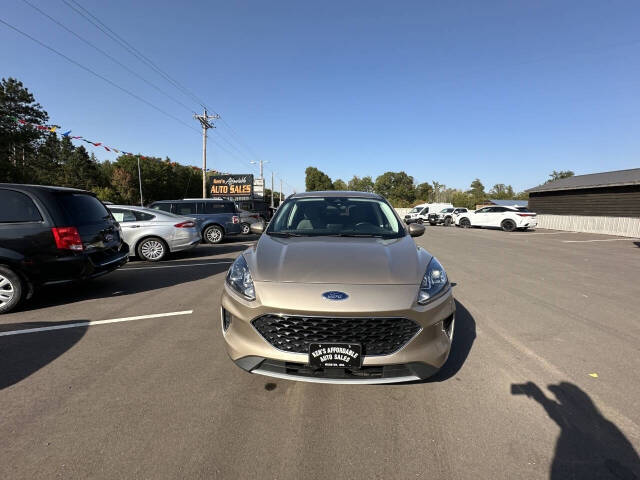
x=319, y=360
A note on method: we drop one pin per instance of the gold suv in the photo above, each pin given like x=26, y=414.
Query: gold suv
x=336, y=291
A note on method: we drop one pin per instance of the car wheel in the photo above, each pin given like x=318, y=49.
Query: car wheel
x=152, y=249
x=10, y=290
x=246, y=228
x=508, y=225
x=465, y=223
x=420, y=221
x=433, y=224
x=213, y=234
x=447, y=222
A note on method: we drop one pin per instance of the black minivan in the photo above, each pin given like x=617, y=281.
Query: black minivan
x=53, y=235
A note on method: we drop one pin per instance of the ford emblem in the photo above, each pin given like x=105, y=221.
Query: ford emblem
x=335, y=295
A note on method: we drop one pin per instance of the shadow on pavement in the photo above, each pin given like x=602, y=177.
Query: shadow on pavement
x=589, y=446
x=637, y=244
x=25, y=354
x=206, y=250
x=463, y=337
x=126, y=281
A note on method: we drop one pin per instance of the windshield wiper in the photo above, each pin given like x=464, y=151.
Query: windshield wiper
x=361, y=235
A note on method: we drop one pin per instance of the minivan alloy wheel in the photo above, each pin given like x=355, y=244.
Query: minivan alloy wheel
x=213, y=234
x=11, y=289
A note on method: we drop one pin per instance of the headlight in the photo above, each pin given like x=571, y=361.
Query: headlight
x=433, y=283
x=239, y=278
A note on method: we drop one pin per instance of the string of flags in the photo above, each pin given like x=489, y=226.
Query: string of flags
x=54, y=128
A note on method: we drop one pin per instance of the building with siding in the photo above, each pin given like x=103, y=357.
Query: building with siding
x=607, y=202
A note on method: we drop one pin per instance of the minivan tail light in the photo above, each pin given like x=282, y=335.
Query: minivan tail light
x=235, y=219
x=188, y=224
x=67, y=238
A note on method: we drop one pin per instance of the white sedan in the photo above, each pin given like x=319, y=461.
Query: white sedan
x=506, y=218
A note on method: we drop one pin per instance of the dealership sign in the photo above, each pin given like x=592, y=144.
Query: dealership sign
x=231, y=185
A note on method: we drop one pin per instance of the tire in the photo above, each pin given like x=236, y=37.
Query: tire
x=213, y=234
x=508, y=225
x=433, y=224
x=152, y=249
x=420, y=221
x=447, y=221
x=246, y=228
x=11, y=290
x=464, y=223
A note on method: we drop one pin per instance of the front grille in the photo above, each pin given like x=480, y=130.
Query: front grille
x=378, y=336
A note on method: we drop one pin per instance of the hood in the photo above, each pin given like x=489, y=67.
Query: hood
x=336, y=260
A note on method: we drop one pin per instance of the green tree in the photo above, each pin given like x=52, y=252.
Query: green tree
x=18, y=142
x=477, y=192
x=397, y=187
x=423, y=192
x=316, y=180
x=553, y=176
x=339, y=185
x=364, y=184
x=500, y=191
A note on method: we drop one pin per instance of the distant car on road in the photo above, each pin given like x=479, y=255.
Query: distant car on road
x=216, y=219
x=420, y=213
x=445, y=216
x=247, y=219
x=53, y=235
x=506, y=218
x=153, y=234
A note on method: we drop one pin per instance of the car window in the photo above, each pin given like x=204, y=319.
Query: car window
x=425, y=211
x=17, y=207
x=82, y=208
x=187, y=208
x=523, y=209
x=446, y=210
x=143, y=216
x=123, y=215
x=219, y=207
x=483, y=210
x=165, y=207
x=326, y=216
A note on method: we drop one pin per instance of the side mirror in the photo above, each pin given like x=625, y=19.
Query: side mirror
x=257, y=228
x=416, y=229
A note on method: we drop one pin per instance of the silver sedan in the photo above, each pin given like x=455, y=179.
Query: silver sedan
x=152, y=234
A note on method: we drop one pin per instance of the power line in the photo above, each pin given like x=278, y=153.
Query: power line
x=113, y=59
x=87, y=69
x=100, y=25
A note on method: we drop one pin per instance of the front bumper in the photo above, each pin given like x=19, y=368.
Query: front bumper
x=422, y=356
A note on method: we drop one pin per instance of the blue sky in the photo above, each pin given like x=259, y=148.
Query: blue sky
x=506, y=91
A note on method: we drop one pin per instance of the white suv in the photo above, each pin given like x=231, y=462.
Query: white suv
x=506, y=218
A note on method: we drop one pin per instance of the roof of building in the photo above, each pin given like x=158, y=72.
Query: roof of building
x=510, y=203
x=593, y=180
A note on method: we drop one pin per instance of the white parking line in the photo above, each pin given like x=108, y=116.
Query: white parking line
x=606, y=240
x=173, y=266
x=95, y=322
x=541, y=233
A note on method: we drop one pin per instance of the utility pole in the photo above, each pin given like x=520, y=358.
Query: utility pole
x=272, y=190
x=261, y=162
x=280, y=190
x=140, y=181
x=206, y=125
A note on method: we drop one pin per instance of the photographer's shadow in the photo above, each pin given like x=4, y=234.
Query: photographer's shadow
x=589, y=446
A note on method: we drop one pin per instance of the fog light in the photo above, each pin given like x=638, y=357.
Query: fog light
x=226, y=320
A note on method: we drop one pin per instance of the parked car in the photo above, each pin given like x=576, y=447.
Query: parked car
x=445, y=216
x=506, y=218
x=153, y=234
x=53, y=235
x=420, y=213
x=247, y=219
x=216, y=219
x=335, y=291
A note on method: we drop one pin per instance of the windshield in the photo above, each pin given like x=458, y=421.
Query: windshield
x=415, y=209
x=522, y=209
x=336, y=216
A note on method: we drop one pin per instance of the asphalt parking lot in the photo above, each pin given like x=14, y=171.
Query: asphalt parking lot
x=543, y=380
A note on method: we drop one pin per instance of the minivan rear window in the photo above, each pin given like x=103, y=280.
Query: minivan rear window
x=17, y=207
x=219, y=207
x=83, y=209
